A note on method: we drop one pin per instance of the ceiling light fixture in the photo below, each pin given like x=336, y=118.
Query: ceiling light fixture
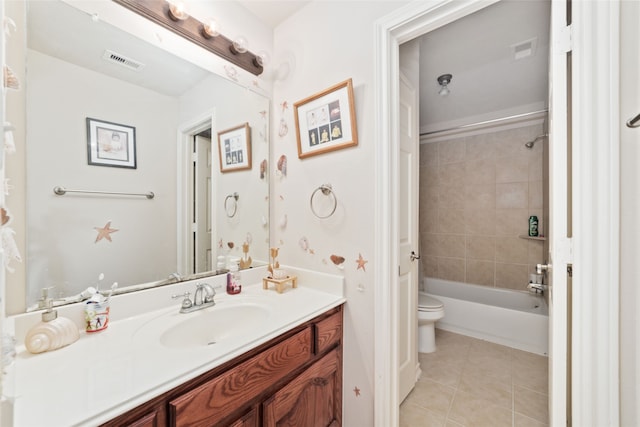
x=444, y=81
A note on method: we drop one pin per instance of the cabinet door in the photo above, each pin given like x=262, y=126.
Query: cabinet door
x=248, y=420
x=313, y=399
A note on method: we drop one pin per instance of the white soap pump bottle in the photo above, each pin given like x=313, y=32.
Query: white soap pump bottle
x=52, y=332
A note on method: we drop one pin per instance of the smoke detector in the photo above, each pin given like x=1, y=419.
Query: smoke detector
x=116, y=58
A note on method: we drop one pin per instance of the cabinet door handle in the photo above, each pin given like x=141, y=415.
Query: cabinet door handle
x=634, y=122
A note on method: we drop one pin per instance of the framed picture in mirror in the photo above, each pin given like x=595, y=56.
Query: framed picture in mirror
x=326, y=121
x=234, y=148
x=111, y=144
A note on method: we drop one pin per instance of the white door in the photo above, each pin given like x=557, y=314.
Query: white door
x=559, y=218
x=408, y=240
x=202, y=205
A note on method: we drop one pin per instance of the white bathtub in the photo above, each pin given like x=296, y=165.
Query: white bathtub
x=517, y=319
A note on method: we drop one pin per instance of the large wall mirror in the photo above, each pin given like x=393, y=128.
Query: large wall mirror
x=156, y=120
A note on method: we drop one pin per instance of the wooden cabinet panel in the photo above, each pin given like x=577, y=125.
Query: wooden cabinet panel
x=248, y=420
x=219, y=398
x=328, y=332
x=313, y=399
x=149, y=420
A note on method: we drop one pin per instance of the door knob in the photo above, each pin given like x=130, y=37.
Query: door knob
x=414, y=256
x=542, y=268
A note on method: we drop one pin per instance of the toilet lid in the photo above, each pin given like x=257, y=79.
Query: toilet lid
x=425, y=302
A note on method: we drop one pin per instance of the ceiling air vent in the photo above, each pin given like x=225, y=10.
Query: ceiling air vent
x=524, y=49
x=132, y=64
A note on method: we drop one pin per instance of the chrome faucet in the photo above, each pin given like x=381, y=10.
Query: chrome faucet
x=537, y=288
x=202, y=298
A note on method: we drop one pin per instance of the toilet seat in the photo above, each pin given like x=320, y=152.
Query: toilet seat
x=427, y=303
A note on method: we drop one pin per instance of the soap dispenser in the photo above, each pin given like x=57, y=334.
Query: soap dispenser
x=52, y=332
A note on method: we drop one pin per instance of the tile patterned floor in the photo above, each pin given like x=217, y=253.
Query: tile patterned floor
x=473, y=383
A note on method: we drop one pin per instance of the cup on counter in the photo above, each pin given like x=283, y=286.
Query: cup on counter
x=96, y=315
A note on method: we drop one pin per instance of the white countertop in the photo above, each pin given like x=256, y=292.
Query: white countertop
x=107, y=373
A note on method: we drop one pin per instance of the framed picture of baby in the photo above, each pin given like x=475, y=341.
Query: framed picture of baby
x=326, y=121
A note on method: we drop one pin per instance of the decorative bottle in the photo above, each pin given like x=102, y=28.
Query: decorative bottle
x=533, y=226
x=52, y=332
x=234, y=285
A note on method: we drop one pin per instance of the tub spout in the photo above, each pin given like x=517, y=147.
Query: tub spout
x=537, y=288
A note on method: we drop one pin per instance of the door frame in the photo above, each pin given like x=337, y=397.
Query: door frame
x=184, y=209
x=596, y=236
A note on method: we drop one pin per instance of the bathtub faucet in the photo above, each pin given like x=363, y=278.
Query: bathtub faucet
x=537, y=288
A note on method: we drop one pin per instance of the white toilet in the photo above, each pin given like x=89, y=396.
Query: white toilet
x=430, y=310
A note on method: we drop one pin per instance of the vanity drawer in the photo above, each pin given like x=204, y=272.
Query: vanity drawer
x=217, y=399
x=328, y=332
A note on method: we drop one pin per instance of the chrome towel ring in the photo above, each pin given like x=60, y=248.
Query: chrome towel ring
x=231, y=208
x=327, y=191
x=634, y=122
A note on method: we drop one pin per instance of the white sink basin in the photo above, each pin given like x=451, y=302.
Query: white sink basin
x=205, y=327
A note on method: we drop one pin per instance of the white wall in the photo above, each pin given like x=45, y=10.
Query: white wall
x=327, y=43
x=60, y=235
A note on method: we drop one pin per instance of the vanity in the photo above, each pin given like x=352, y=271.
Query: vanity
x=259, y=358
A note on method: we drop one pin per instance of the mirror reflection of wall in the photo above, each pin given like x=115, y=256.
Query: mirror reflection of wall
x=67, y=81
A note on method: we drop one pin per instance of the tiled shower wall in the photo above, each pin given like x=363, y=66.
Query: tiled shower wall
x=476, y=195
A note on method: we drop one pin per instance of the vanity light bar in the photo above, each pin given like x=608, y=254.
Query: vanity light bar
x=191, y=29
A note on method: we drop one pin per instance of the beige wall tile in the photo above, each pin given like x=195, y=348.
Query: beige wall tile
x=480, y=171
x=451, y=196
x=481, y=272
x=480, y=146
x=428, y=220
x=480, y=197
x=512, y=276
x=430, y=266
x=452, y=151
x=481, y=247
x=535, y=167
x=535, y=195
x=430, y=244
x=451, y=221
x=536, y=252
x=512, y=169
x=512, y=250
x=428, y=154
x=512, y=222
x=512, y=195
x=451, y=269
x=480, y=221
x=451, y=245
x=429, y=176
x=451, y=174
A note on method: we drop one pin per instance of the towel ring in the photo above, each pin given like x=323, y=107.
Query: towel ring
x=234, y=205
x=327, y=191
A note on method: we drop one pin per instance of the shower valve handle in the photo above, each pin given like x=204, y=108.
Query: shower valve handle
x=414, y=256
x=542, y=268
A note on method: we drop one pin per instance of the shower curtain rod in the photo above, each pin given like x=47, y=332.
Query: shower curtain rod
x=486, y=122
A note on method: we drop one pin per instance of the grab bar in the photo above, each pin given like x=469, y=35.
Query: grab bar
x=634, y=122
x=61, y=191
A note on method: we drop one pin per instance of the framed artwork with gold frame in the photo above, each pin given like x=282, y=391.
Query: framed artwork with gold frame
x=326, y=121
x=234, y=148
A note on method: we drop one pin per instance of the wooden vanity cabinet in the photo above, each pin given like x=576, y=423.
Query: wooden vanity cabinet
x=294, y=379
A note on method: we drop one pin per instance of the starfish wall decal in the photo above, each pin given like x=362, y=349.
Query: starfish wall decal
x=361, y=262
x=104, y=232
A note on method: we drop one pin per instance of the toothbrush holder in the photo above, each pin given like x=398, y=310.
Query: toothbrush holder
x=96, y=315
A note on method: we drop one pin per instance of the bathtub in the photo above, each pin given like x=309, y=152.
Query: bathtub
x=517, y=319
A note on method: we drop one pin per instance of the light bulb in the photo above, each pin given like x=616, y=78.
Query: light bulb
x=262, y=58
x=210, y=28
x=178, y=11
x=240, y=45
x=444, y=91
